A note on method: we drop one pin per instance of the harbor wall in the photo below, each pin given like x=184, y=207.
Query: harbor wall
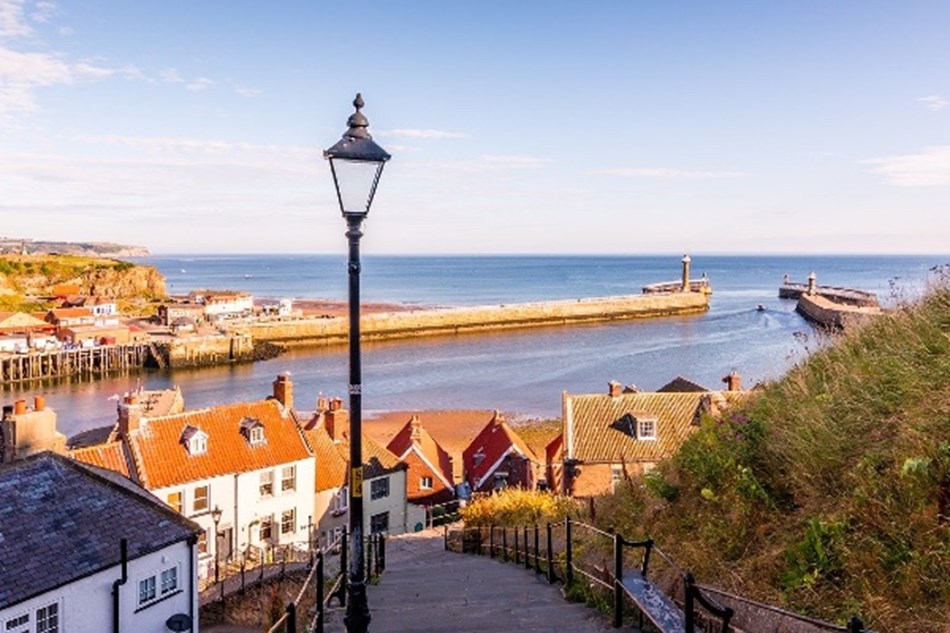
x=822, y=311
x=413, y=323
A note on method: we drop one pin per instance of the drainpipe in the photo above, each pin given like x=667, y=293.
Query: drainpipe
x=192, y=594
x=124, y=558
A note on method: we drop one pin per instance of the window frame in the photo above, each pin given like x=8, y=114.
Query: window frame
x=180, y=505
x=196, y=498
x=267, y=483
x=374, y=521
x=150, y=595
x=164, y=591
x=426, y=482
x=255, y=435
x=8, y=624
x=292, y=478
x=202, y=544
x=379, y=488
x=55, y=616
x=643, y=426
x=266, y=524
x=288, y=524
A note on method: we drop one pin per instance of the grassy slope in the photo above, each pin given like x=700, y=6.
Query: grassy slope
x=823, y=494
x=27, y=275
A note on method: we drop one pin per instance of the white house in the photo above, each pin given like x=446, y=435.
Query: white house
x=246, y=464
x=68, y=564
x=223, y=304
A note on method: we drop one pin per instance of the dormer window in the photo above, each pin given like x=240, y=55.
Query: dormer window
x=253, y=431
x=646, y=429
x=195, y=440
x=639, y=428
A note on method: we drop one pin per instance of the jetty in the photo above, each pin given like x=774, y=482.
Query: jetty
x=830, y=306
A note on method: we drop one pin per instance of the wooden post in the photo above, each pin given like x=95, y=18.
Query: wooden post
x=537, y=552
x=318, y=628
x=568, y=553
x=550, y=548
x=517, y=560
x=478, y=546
x=445, y=536
x=618, y=580
x=527, y=549
x=491, y=541
x=243, y=566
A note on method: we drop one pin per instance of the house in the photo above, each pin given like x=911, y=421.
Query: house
x=25, y=431
x=612, y=436
x=249, y=461
x=429, y=477
x=169, y=313
x=498, y=458
x=67, y=317
x=68, y=564
x=20, y=332
x=223, y=304
x=385, y=508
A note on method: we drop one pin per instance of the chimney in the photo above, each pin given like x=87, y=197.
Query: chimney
x=39, y=403
x=686, y=261
x=614, y=388
x=284, y=391
x=733, y=381
x=415, y=429
x=19, y=407
x=130, y=414
x=323, y=403
x=337, y=420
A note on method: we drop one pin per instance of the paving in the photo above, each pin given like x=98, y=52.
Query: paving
x=426, y=589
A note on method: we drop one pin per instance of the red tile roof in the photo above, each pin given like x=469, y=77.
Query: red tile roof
x=414, y=437
x=110, y=456
x=161, y=458
x=333, y=459
x=495, y=441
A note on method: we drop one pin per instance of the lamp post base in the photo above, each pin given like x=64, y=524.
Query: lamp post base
x=357, y=616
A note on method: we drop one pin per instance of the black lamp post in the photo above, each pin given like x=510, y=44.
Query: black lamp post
x=356, y=163
x=216, y=517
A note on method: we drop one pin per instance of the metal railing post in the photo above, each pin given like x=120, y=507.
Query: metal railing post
x=689, y=606
x=537, y=552
x=504, y=544
x=291, y=618
x=382, y=553
x=370, y=540
x=527, y=549
x=445, y=536
x=320, y=589
x=491, y=541
x=568, y=553
x=344, y=568
x=517, y=559
x=243, y=565
x=618, y=580
x=550, y=556
x=478, y=546
x=855, y=625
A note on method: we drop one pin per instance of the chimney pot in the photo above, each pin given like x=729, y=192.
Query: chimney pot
x=323, y=403
x=733, y=381
x=39, y=403
x=19, y=407
x=614, y=388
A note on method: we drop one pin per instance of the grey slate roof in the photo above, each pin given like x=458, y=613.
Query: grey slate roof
x=61, y=521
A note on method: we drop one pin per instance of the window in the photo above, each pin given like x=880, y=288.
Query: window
x=265, y=533
x=47, y=619
x=267, y=483
x=379, y=488
x=19, y=624
x=646, y=429
x=379, y=522
x=616, y=476
x=199, y=445
x=287, y=521
x=341, y=501
x=146, y=590
x=288, y=478
x=203, y=542
x=425, y=483
x=257, y=435
x=169, y=580
x=200, y=502
x=500, y=481
x=174, y=501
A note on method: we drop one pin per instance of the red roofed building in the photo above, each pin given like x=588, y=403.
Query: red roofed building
x=498, y=458
x=429, y=480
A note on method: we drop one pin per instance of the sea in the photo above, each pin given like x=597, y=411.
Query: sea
x=523, y=373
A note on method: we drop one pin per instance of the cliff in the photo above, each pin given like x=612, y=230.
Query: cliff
x=21, y=246
x=37, y=276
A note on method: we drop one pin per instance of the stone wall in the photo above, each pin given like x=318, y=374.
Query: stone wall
x=389, y=325
x=209, y=350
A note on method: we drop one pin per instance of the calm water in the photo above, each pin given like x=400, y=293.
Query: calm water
x=522, y=371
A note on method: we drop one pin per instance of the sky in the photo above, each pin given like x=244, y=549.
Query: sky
x=598, y=127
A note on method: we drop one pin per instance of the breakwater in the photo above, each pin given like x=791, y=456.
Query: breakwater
x=827, y=313
x=430, y=322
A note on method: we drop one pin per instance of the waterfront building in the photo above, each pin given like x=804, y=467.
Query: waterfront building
x=223, y=304
x=85, y=551
x=429, y=477
x=386, y=509
x=609, y=437
x=498, y=458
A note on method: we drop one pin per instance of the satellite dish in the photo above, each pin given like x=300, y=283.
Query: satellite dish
x=178, y=622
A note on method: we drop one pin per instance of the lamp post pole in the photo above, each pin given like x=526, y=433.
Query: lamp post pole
x=216, y=517
x=356, y=163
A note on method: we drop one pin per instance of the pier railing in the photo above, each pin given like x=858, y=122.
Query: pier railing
x=636, y=578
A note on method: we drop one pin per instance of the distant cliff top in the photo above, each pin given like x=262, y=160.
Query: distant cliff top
x=86, y=249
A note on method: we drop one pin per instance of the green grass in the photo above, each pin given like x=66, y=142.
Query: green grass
x=829, y=492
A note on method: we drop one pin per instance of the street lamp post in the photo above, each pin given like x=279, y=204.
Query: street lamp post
x=216, y=517
x=356, y=163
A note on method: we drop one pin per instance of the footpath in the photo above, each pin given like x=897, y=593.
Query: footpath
x=428, y=590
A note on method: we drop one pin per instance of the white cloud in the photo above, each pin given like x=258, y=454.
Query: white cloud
x=43, y=11
x=426, y=134
x=171, y=75
x=201, y=83
x=85, y=69
x=244, y=91
x=929, y=168
x=935, y=102
x=671, y=174
x=515, y=162
x=12, y=23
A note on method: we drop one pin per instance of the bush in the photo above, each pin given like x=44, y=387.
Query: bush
x=515, y=507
